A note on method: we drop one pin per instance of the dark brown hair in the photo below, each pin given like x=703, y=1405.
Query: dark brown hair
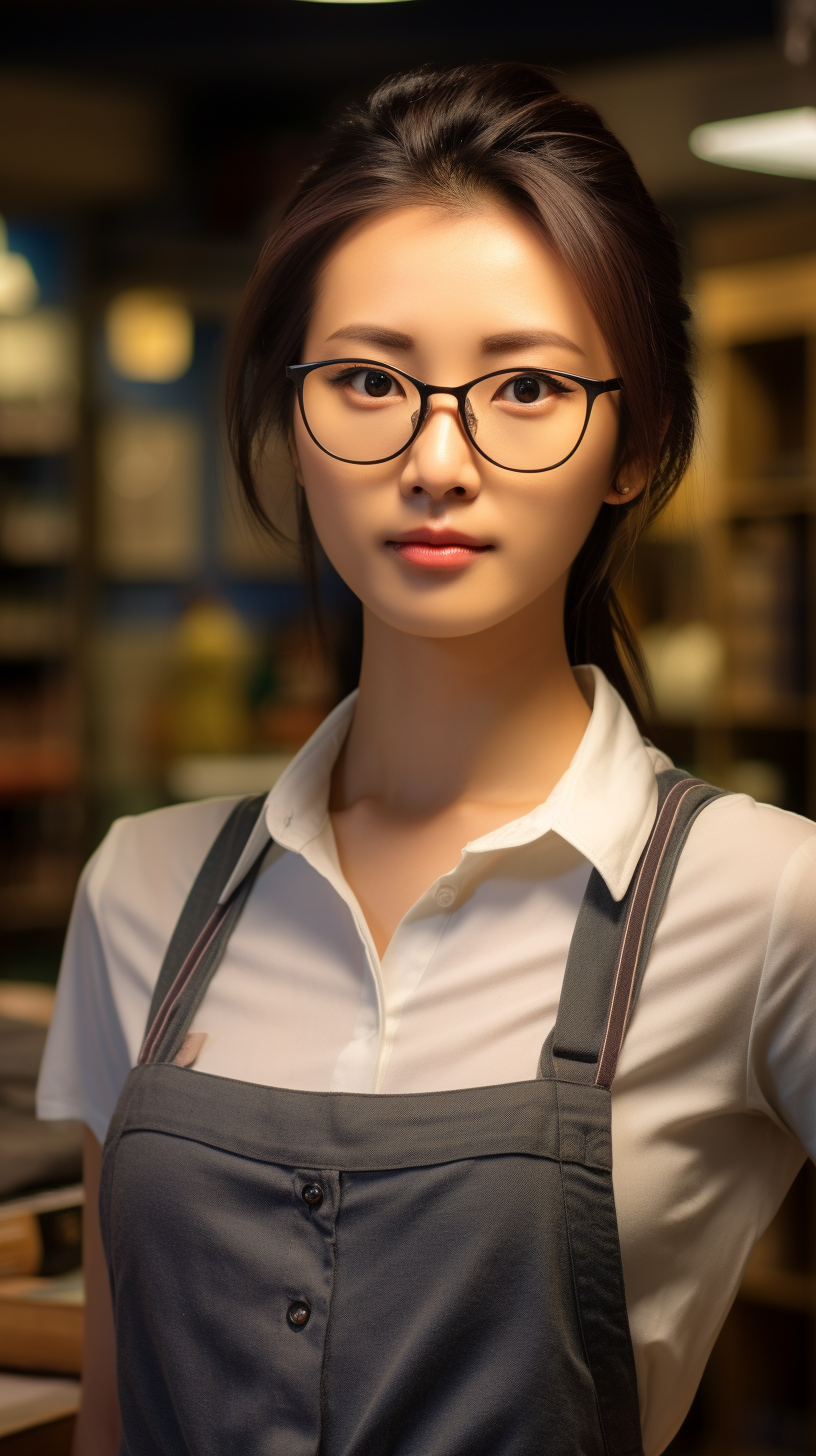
x=505, y=131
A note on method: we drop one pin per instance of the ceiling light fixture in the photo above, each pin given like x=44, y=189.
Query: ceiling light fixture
x=779, y=142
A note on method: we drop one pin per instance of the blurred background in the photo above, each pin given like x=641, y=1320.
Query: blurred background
x=153, y=649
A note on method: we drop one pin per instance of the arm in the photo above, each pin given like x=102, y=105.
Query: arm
x=97, y=1428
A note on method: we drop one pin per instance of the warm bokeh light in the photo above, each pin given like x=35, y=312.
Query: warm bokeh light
x=780, y=142
x=19, y=290
x=149, y=336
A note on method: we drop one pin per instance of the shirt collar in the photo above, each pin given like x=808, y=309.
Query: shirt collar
x=603, y=805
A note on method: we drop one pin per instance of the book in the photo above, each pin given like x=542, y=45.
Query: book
x=42, y=1323
x=34, y=1400
x=42, y=1233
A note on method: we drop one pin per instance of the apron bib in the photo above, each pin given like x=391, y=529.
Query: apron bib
x=342, y=1274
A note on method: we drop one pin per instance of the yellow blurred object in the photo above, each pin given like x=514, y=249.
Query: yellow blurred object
x=149, y=336
x=19, y=289
x=761, y=780
x=39, y=357
x=686, y=664
x=213, y=654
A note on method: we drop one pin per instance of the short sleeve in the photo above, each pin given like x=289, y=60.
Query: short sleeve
x=86, y=1059
x=128, y=901
x=782, y=1058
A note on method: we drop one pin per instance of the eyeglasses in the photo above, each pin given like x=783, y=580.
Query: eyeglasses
x=365, y=413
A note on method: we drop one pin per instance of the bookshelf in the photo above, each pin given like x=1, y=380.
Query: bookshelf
x=737, y=553
x=42, y=595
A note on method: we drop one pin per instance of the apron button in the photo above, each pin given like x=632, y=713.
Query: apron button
x=298, y=1314
x=312, y=1194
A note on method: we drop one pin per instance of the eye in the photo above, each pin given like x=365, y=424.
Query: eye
x=376, y=383
x=531, y=389
x=370, y=383
x=526, y=389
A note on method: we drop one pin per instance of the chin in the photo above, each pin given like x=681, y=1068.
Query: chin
x=429, y=620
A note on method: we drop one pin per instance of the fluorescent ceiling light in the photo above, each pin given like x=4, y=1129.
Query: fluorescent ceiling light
x=782, y=142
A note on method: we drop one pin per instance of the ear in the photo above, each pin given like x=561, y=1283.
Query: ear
x=630, y=481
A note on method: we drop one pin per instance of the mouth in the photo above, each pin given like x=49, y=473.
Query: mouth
x=437, y=550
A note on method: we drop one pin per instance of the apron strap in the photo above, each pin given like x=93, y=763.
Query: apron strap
x=612, y=939
x=199, y=930
x=607, y=957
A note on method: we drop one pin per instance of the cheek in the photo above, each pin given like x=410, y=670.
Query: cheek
x=554, y=513
x=340, y=505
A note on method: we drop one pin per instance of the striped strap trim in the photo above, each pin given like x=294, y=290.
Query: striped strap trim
x=631, y=945
x=190, y=963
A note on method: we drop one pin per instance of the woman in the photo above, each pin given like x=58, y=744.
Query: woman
x=349, y=1203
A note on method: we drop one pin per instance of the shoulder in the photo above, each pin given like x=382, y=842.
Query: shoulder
x=739, y=836
x=135, y=887
x=746, y=883
x=127, y=903
x=147, y=863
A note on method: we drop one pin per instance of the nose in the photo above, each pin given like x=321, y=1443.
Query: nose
x=441, y=461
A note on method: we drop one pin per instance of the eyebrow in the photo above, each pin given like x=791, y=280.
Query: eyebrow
x=503, y=343
x=371, y=334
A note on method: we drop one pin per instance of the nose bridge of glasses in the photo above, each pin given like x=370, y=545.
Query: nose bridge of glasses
x=456, y=394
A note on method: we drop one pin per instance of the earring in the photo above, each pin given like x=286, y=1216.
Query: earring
x=623, y=489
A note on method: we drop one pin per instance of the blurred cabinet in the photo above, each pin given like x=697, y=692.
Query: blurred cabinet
x=739, y=555
x=758, y=332
x=41, y=734
x=738, y=550
x=757, y=1394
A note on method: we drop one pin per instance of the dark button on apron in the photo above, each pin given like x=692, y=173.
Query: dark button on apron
x=449, y=1261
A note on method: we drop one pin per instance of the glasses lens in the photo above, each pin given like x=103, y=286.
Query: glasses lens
x=527, y=420
x=360, y=412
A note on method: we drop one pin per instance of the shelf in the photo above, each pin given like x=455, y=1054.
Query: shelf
x=793, y=716
x=211, y=776
x=769, y=496
x=34, y=1400
x=32, y=632
x=37, y=905
x=51, y=766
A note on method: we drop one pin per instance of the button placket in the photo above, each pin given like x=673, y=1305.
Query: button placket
x=315, y=1195
x=298, y=1313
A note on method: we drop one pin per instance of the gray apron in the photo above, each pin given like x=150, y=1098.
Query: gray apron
x=429, y=1274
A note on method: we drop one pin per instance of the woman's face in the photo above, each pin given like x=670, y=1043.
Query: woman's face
x=447, y=296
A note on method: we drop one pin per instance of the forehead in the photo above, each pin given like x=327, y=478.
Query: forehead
x=427, y=270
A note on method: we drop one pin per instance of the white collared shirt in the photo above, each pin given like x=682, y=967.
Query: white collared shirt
x=714, y=1102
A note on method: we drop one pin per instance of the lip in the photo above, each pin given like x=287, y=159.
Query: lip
x=437, y=550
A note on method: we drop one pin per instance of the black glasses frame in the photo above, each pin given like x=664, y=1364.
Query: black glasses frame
x=594, y=387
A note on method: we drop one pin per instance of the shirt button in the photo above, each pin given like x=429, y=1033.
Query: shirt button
x=298, y=1314
x=312, y=1194
x=445, y=896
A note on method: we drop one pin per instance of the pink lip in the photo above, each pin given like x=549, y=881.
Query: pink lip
x=437, y=550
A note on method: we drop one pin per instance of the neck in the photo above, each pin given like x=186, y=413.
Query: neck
x=494, y=717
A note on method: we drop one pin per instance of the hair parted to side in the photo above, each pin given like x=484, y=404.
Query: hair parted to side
x=455, y=136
